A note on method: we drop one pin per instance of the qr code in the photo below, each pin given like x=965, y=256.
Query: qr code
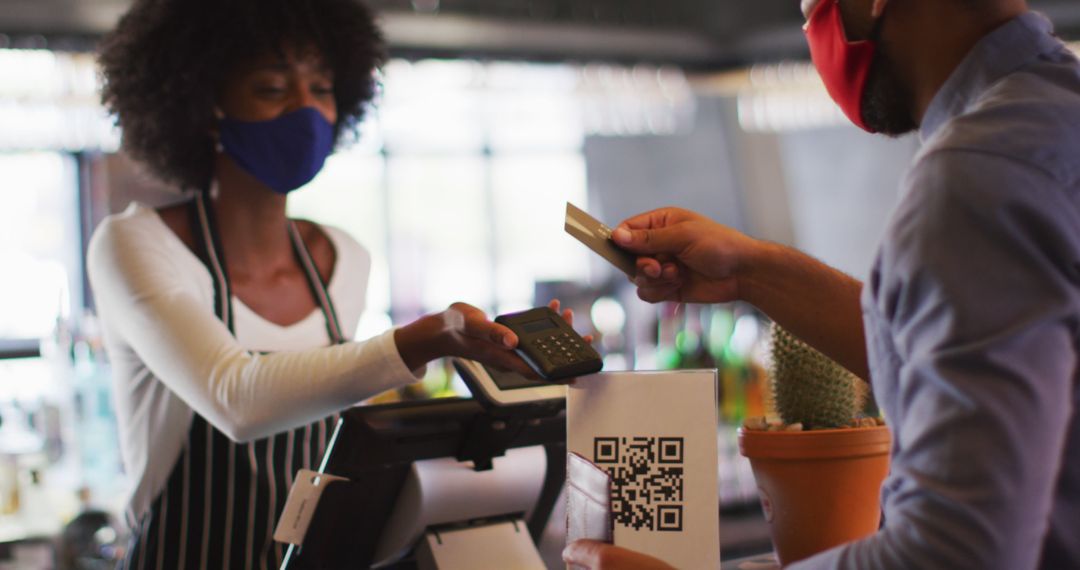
x=647, y=480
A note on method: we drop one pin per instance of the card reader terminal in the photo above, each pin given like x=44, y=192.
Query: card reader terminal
x=550, y=346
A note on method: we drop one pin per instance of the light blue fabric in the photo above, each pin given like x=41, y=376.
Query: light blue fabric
x=972, y=314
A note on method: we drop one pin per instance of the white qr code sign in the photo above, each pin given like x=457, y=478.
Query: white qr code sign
x=655, y=434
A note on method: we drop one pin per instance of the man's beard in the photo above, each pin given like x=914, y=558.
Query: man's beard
x=886, y=101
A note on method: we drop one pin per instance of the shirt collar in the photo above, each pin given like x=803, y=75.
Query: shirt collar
x=996, y=55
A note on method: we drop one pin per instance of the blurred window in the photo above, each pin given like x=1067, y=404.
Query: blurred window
x=50, y=100
x=39, y=245
x=530, y=195
x=460, y=177
x=442, y=233
x=456, y=184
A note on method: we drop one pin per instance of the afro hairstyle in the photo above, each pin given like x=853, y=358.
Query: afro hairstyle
x=167, y=61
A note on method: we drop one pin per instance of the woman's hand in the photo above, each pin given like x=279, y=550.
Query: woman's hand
x=465, y=331
x=686, y=257
x=595, y=555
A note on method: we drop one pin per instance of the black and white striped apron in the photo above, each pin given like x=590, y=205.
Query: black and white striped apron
x=222, y=499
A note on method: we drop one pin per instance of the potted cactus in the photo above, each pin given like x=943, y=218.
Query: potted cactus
x=819, y=468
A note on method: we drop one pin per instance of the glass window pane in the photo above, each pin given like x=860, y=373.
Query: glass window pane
x=441, y=234
x=432, y=106
x=49, y=100
x=39, y=244
x=533, y=107
x=531, y=192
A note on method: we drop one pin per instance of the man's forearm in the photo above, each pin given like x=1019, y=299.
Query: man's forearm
x=812, y=300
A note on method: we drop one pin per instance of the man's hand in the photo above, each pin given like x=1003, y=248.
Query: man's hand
x=686, y=257
x=599, y=556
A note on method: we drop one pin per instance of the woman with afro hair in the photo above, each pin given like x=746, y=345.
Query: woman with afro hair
x=229, y=325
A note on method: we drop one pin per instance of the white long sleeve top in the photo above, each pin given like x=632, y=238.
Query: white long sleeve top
x=172, y=357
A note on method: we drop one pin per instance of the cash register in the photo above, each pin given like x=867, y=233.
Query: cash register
x=439, y=484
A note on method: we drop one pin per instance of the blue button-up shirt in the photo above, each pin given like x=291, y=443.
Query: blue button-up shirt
x=972, y=315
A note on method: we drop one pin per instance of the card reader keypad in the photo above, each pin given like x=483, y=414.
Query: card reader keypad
x=548, y=344
x=561, y=348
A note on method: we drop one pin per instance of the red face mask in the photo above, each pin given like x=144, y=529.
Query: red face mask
x=844, y=66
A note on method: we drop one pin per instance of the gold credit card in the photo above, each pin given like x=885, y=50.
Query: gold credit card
x=597, y=237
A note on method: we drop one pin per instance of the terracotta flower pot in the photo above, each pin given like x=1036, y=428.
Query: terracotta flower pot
x=818, y=489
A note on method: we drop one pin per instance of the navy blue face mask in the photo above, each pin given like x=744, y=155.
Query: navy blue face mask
x=284, y=153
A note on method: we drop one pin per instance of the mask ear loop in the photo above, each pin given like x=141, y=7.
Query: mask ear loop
x=210, y=189
x=215, y=132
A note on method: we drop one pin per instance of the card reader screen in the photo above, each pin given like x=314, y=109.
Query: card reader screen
x=506, y=380
x=539, y=325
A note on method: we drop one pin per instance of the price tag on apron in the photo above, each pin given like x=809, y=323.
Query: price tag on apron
x=300, y=506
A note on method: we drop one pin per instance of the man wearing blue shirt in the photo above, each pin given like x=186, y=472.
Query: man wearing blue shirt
x=969, y=324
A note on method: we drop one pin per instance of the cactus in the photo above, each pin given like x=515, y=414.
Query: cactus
x=811, y=389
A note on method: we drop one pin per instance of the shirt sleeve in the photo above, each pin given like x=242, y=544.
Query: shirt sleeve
x=245, y=395
x=979, y=284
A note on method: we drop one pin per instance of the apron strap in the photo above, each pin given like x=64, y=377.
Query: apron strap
x=209, y=250
x=316, y=284
x=204, y=228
